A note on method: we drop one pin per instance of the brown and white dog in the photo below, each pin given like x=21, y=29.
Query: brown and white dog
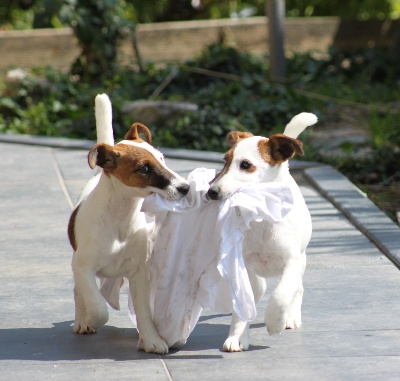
x=269, y=249
x=107, y=230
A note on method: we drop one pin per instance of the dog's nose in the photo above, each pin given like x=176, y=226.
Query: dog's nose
x=183, y=189
x=213, y=194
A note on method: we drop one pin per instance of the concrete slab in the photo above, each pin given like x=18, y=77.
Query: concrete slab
x=361, y=212
x=350, y=325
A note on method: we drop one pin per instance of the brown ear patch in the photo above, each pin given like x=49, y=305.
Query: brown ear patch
x=137, y=129
x=279, y=148
x=103, y=156
x=234, y=137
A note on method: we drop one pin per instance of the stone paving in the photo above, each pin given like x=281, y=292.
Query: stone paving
x=351, y=309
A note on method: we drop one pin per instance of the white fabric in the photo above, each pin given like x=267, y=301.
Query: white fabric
x=197, y=256
x=196, y=259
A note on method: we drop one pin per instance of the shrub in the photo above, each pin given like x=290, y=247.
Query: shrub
x=60, y=104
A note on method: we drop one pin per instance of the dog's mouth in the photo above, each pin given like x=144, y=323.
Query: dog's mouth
x=178, y=193
x=183, y=189
x=172, y=193
x=216, y=195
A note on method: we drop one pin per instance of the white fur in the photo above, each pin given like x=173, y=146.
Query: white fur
x=111, y=237
x=103, y=113
x=299, y=123
x=270, y=249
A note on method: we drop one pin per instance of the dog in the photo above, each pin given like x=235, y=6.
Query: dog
x=108, y=231
x=269, y=249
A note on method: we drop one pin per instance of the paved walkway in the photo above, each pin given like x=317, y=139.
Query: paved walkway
x=351, y=310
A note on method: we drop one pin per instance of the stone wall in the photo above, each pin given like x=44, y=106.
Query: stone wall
x=178, y=41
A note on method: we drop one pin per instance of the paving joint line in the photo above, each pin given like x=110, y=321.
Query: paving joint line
x=169, y=375
x=61, y=179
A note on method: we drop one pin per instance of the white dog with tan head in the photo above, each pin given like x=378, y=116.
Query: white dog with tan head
x=269, y=249
x=108, y=231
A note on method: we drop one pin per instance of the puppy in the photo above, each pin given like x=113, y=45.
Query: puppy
x=269, y=249
x=107, y=230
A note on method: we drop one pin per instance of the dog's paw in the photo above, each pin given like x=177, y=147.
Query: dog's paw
x=293, y=323
x=235, y=344
x=83, y=329
x=155, y=345
x=294, y=319
x=275, y=326
x=275, y=322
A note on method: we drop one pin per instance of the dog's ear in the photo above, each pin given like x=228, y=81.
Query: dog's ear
x=137, y=129
x=281, y=148
x=236, y=136
x=103, y=156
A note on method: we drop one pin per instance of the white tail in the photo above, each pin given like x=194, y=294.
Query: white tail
x=299, y=123
x=103, y=113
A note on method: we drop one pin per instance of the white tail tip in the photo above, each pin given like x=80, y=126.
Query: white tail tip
x=299, y=123
x=103, y=113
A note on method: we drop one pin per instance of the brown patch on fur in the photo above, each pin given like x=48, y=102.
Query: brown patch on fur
x=135, y=130
x=236, y=136
x=251, y=169
x=228, y=162
x=71, y=228
x=263, y=149
x=124, y=162
x=279, y=148
x=100, y=155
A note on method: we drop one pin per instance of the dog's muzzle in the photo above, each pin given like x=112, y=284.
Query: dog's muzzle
x=183, y=189
x=213, y=194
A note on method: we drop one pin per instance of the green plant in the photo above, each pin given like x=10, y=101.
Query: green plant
x=384, y=130
x=243, y=100
x=99, y=26
x=365, y=76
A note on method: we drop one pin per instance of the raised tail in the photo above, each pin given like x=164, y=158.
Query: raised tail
x=103, y=113
x=299, y=123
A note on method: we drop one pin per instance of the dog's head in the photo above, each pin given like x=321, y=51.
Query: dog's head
x=252, y=160
x=256, y=159
x=137, y=164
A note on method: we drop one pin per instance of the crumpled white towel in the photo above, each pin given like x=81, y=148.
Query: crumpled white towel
x=197, y=255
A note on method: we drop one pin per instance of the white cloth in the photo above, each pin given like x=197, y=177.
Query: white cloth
x=196, y=259
x=197, y=255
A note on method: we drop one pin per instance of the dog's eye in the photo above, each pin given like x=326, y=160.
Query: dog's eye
x=245, y=165
x=145, y=169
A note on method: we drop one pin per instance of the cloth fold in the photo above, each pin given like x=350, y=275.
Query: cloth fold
x=197, y=257
x=196, y=252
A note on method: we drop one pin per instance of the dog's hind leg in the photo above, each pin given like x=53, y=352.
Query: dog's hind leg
x=284, y=307
x=238, y=339
x=294, y=316
x=90, y=307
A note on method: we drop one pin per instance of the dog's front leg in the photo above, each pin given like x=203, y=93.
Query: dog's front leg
x=90, y=307
x=238, y=339
x=149, y=339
